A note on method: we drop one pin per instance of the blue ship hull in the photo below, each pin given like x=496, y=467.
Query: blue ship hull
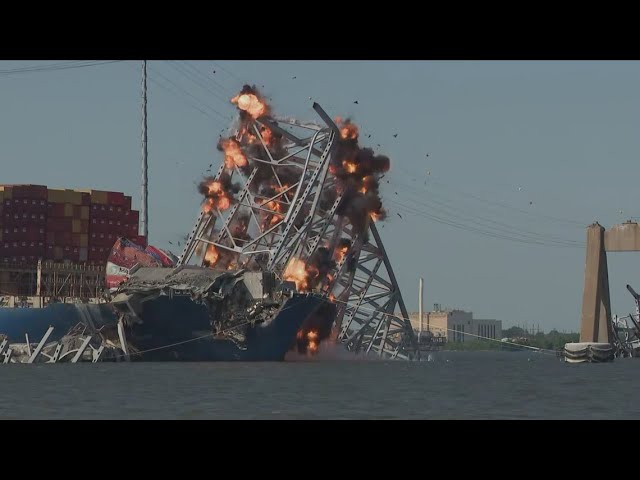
x=178, y=329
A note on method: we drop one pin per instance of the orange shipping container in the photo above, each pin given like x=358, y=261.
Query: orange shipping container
x=68, y=210
x=55, y=195
x=8, y=191
x=76, y=225
x=97, y=196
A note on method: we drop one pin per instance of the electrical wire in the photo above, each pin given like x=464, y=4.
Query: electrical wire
x=55, y=67
x=179, y=88
x=431, y=181
x=199, y=82
x=496, y=225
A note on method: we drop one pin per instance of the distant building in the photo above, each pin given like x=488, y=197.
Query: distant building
x=456, y=325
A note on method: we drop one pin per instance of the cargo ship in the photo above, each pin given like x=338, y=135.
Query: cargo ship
x=77, y=255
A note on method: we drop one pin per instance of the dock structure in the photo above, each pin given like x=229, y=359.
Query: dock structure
x=25, y=285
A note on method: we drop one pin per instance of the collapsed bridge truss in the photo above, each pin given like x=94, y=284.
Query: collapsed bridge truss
x=294, y=220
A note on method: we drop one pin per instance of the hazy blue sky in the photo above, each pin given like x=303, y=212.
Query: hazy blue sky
x=530, y=151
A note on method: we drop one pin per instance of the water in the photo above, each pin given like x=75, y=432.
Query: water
x=455, y=385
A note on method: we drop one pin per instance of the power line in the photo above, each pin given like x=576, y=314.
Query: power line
x=497, y=226
x=480, y=231
x=551, y=218
x=55, y=67
x=178, y=87
x=180, y=93
x=230, y=73
x=199, y=72
x=180, y=97
x=197, y=81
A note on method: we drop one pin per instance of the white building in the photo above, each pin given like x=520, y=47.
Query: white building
x=456, y=325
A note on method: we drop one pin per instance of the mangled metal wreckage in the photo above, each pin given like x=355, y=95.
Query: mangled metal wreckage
x=192, y=313
x=285, y=248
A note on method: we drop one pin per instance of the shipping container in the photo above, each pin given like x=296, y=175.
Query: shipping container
x=97, y=196
x=59, y=224
x=7, y=192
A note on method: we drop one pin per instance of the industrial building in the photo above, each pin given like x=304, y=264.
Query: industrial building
x=456, y=325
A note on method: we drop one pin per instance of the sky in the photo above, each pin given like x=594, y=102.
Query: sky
x=522, y=156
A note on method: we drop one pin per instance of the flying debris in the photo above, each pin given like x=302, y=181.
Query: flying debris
x=395, y=135
x=356, y=102
x=530, y=203
x=214, y=72
x=246, y=277
x=293, y=78
x=398, y=214
x=427, y=155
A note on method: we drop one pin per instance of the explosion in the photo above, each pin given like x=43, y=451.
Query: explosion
x=218, y=193
x=312, y=338
x=296, y=271
x=315, y=330
x=250, y=101
x=233, y=155
x=348, y=130
x=357, y=171
x=309, y=275
x=341, y=250
x=211, y=256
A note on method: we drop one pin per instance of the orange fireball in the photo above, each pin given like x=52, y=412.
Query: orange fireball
x=251, y=104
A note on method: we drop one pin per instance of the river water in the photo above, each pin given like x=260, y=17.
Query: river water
x=454, y=385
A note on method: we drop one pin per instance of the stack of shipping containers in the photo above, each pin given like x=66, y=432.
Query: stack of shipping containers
x=111, y=217
x=24, y=221
x=67, y=226
x=77, y=226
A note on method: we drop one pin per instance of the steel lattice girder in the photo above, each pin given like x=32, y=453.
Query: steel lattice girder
x=371, y=316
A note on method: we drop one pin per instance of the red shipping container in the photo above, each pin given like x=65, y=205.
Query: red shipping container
x=127, y=203
x=115, y=198
x=24, y=218
x=133, y=216
x=55, y=210
x=64, y=238
x=29, y=205
x=38, y=192
x=57, y=224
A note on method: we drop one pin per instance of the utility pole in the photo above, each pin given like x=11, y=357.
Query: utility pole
x=420, y=312
x=144, y=224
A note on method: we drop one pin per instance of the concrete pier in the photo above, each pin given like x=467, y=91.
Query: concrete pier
x=596, y=304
